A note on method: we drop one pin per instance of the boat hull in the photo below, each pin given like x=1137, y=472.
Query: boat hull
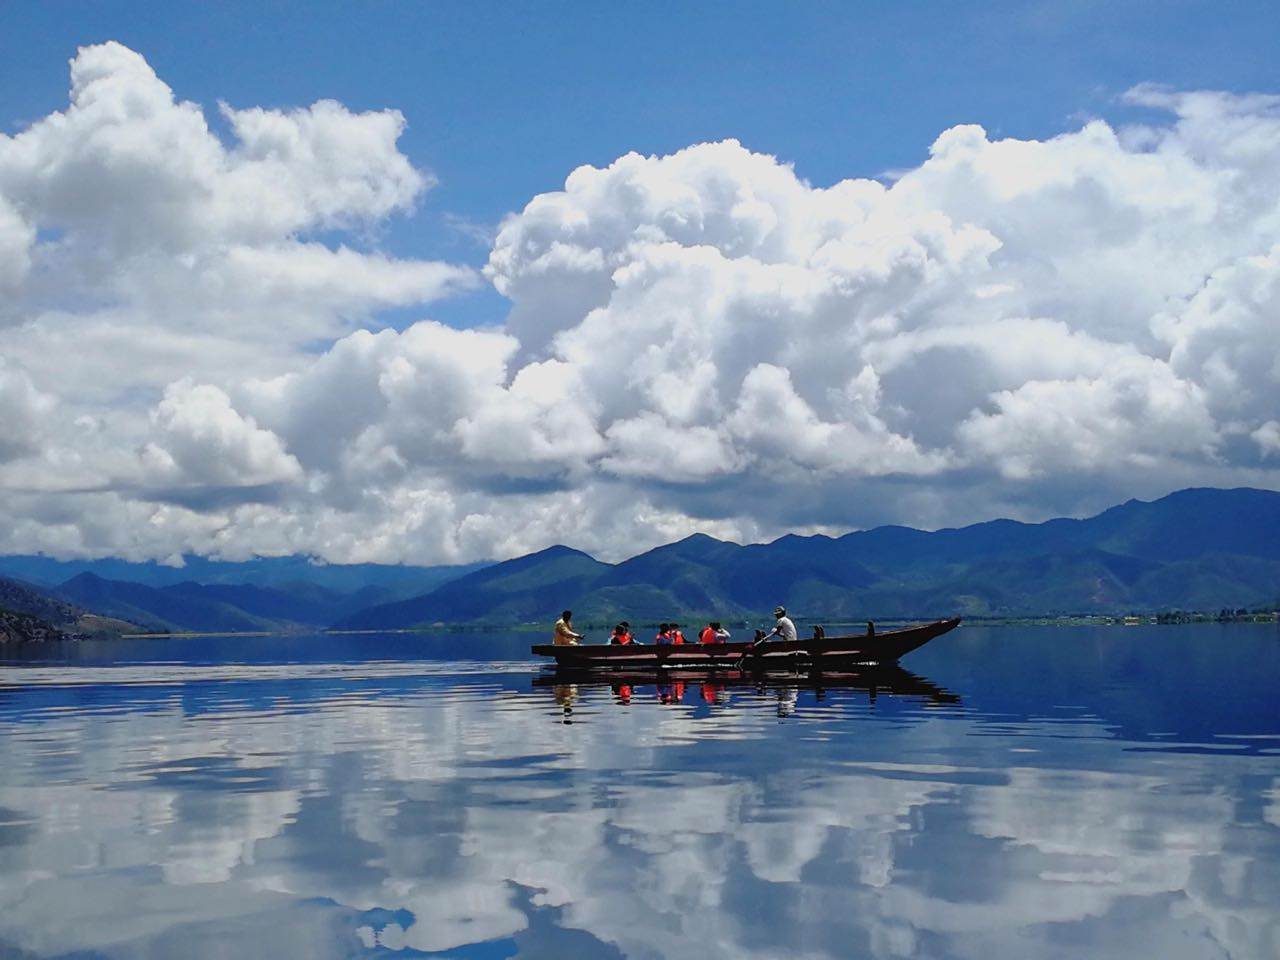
x=812, y=653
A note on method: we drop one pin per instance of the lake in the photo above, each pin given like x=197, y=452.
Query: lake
x=1019, y=793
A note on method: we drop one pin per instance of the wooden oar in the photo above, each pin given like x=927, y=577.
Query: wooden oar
x=751, y=649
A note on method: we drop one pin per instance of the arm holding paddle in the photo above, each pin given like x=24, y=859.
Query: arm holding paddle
x=784, y=629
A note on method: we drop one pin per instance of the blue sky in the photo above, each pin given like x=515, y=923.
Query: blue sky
x=504, y=99
x=970, y=260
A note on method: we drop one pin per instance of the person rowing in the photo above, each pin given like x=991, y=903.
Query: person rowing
x=783, y=630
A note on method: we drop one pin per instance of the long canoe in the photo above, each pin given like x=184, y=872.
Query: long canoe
x=867, y=649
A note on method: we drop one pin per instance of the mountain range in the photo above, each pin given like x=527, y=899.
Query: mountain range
x=1196, y=549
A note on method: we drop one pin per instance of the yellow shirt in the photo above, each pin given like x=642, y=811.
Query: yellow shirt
x=564, y=635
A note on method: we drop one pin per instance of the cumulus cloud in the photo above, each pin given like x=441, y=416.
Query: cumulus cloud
x=154, y=225
x=203, y=441
x=702, y=340
x=25, y=410
x=1267, y=437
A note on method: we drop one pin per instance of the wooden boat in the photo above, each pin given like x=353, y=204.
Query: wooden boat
x=813, y=653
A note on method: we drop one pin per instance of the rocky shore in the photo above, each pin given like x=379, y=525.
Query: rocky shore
x=24, y=628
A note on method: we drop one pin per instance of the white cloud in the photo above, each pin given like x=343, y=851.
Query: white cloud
x=24, y=411
x=153, y=223
x=202, y=440
x=16, y=239
x=1137, y=415
x=1267, y=437
x=696, y=341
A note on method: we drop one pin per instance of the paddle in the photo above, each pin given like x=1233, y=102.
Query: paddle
x=761, y=637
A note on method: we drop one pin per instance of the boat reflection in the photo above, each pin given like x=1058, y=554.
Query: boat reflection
x=714, y=687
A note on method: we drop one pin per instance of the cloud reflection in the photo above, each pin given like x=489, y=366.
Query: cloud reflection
x=326, y=818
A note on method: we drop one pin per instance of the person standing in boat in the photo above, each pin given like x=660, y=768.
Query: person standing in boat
x=563, y=635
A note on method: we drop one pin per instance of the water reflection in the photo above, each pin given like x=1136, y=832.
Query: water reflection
x=439, y=808
x=717, y=688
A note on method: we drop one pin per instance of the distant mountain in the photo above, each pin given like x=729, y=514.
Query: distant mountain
x=159, y=609
x=218, y=607
x=284, y=573
x=509, y=592
x=279, y=593
x=30, y=599
x=60, y=616
x=1195, y=549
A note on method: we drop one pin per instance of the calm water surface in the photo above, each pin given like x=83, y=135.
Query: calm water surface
x=1022, y=793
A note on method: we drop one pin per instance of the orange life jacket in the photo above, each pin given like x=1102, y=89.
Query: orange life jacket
x=707, y=636
x=677, y=636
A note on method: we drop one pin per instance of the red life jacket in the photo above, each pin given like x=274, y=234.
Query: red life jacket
x=621, y=638
x=707, y=636
x=677, y=636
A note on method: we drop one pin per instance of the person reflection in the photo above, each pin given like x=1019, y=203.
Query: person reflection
x=671, y=692
x=786, y=701
x=777, y=692
x=566, y=694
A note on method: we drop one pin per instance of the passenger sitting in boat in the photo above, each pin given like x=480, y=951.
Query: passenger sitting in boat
x=664, y=635
x=676, y=635
x=563, y=635
x=622, y=634
x=713, y=633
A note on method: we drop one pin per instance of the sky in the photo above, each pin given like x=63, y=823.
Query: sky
x=442, y=282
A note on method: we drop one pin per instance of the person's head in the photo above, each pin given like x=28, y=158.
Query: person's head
x=625, y=625
x=715, y=624
x=779, y=612
x=619, y=630
x=664, y=627
x=566, y=616
x=675, y=626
